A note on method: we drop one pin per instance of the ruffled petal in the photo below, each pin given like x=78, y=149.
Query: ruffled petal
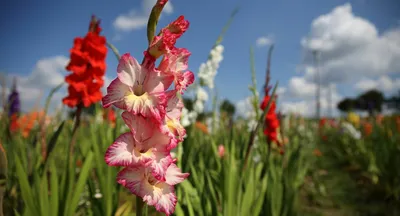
x=115, y=94
x=133, y=178
x=122, y=151
x=174, y=175
x=148, y=105
x=161, y=196
x=129, y=71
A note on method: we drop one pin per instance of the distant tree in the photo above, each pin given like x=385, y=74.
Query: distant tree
x=346, y=105
x=370, y=101
x=188, y=103
x=227, y=107
x=393, y=102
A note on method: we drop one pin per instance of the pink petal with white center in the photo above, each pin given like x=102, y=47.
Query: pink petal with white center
x=172, y=126
x=133, y=178
x=183, y=80
x=146, y=133
x=161, y=196
x=123, y=152
x=129, y=71
x=174, y=175
x=141, y=127
x=115, y=94
x=174, y=105
x=161, y=141
x=159, y=164
x=156, y=82
x=148, y=105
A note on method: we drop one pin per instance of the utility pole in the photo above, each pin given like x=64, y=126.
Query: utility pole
x=317, y=82
x=330, y=100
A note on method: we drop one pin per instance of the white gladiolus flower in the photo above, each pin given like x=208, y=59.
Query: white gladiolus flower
x=198, y=106
x=352, y=131
x=251, y=125
x=201, y=94
x=185, y=117
x=208, y=70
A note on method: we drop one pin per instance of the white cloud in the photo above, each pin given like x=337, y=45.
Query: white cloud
x=244, y=107
x=350, y=47
x=384, y=83
x=281, y=91
x=48, y=73
x=264, y=41
x=303, y=108
x=300, y=87
x=33, y=88
x=350, y=50
x=137, y=19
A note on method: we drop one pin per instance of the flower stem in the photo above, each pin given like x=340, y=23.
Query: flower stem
x=74, y=130
x=139, y=206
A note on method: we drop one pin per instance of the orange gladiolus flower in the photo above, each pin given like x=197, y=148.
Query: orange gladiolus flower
x=317, y=153
x=202, y=127
x=367, y=128
x=26, y=122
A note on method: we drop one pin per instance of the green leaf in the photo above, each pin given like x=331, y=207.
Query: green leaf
x=54, y=189
x=26, y=190
x=75, y=194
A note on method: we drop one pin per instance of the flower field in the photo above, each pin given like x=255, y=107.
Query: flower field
x=149, y=146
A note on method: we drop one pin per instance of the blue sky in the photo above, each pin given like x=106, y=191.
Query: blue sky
x=44, y=30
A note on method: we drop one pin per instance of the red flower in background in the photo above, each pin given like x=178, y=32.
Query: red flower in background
x=271, y=120
x=322, y=122
x=110, y=116
x=88, y=67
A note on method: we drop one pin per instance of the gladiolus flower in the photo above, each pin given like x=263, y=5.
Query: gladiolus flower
x=140, y=181
x=165, y=41
x=201, y=126
x=221, y=151
x=139, y=89
x=13, y=100
x=367, y=128
x=25, y=123
x=152, y=114
x=317, y=152
x=271, y=121
x=174, y=64
x=322, y=122
x=109, y=115
x=353, y=118
x=88, y=67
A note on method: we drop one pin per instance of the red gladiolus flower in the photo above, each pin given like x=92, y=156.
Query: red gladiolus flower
x=88, y=67
x=110, y=116
x=322, y=122
x=271, y=121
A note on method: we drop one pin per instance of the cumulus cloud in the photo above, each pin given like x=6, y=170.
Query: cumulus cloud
x=350, y=46
x=300, y=87
x=300, y=96
x=245, y=108
x=34, y=87
x=137, y=19
x=351, y=51
x=264, y=41
x=384, y=83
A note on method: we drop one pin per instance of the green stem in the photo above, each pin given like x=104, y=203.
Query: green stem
x=139, y=206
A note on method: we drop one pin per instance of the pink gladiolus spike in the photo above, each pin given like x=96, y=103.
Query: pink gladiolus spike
x=152, y=114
